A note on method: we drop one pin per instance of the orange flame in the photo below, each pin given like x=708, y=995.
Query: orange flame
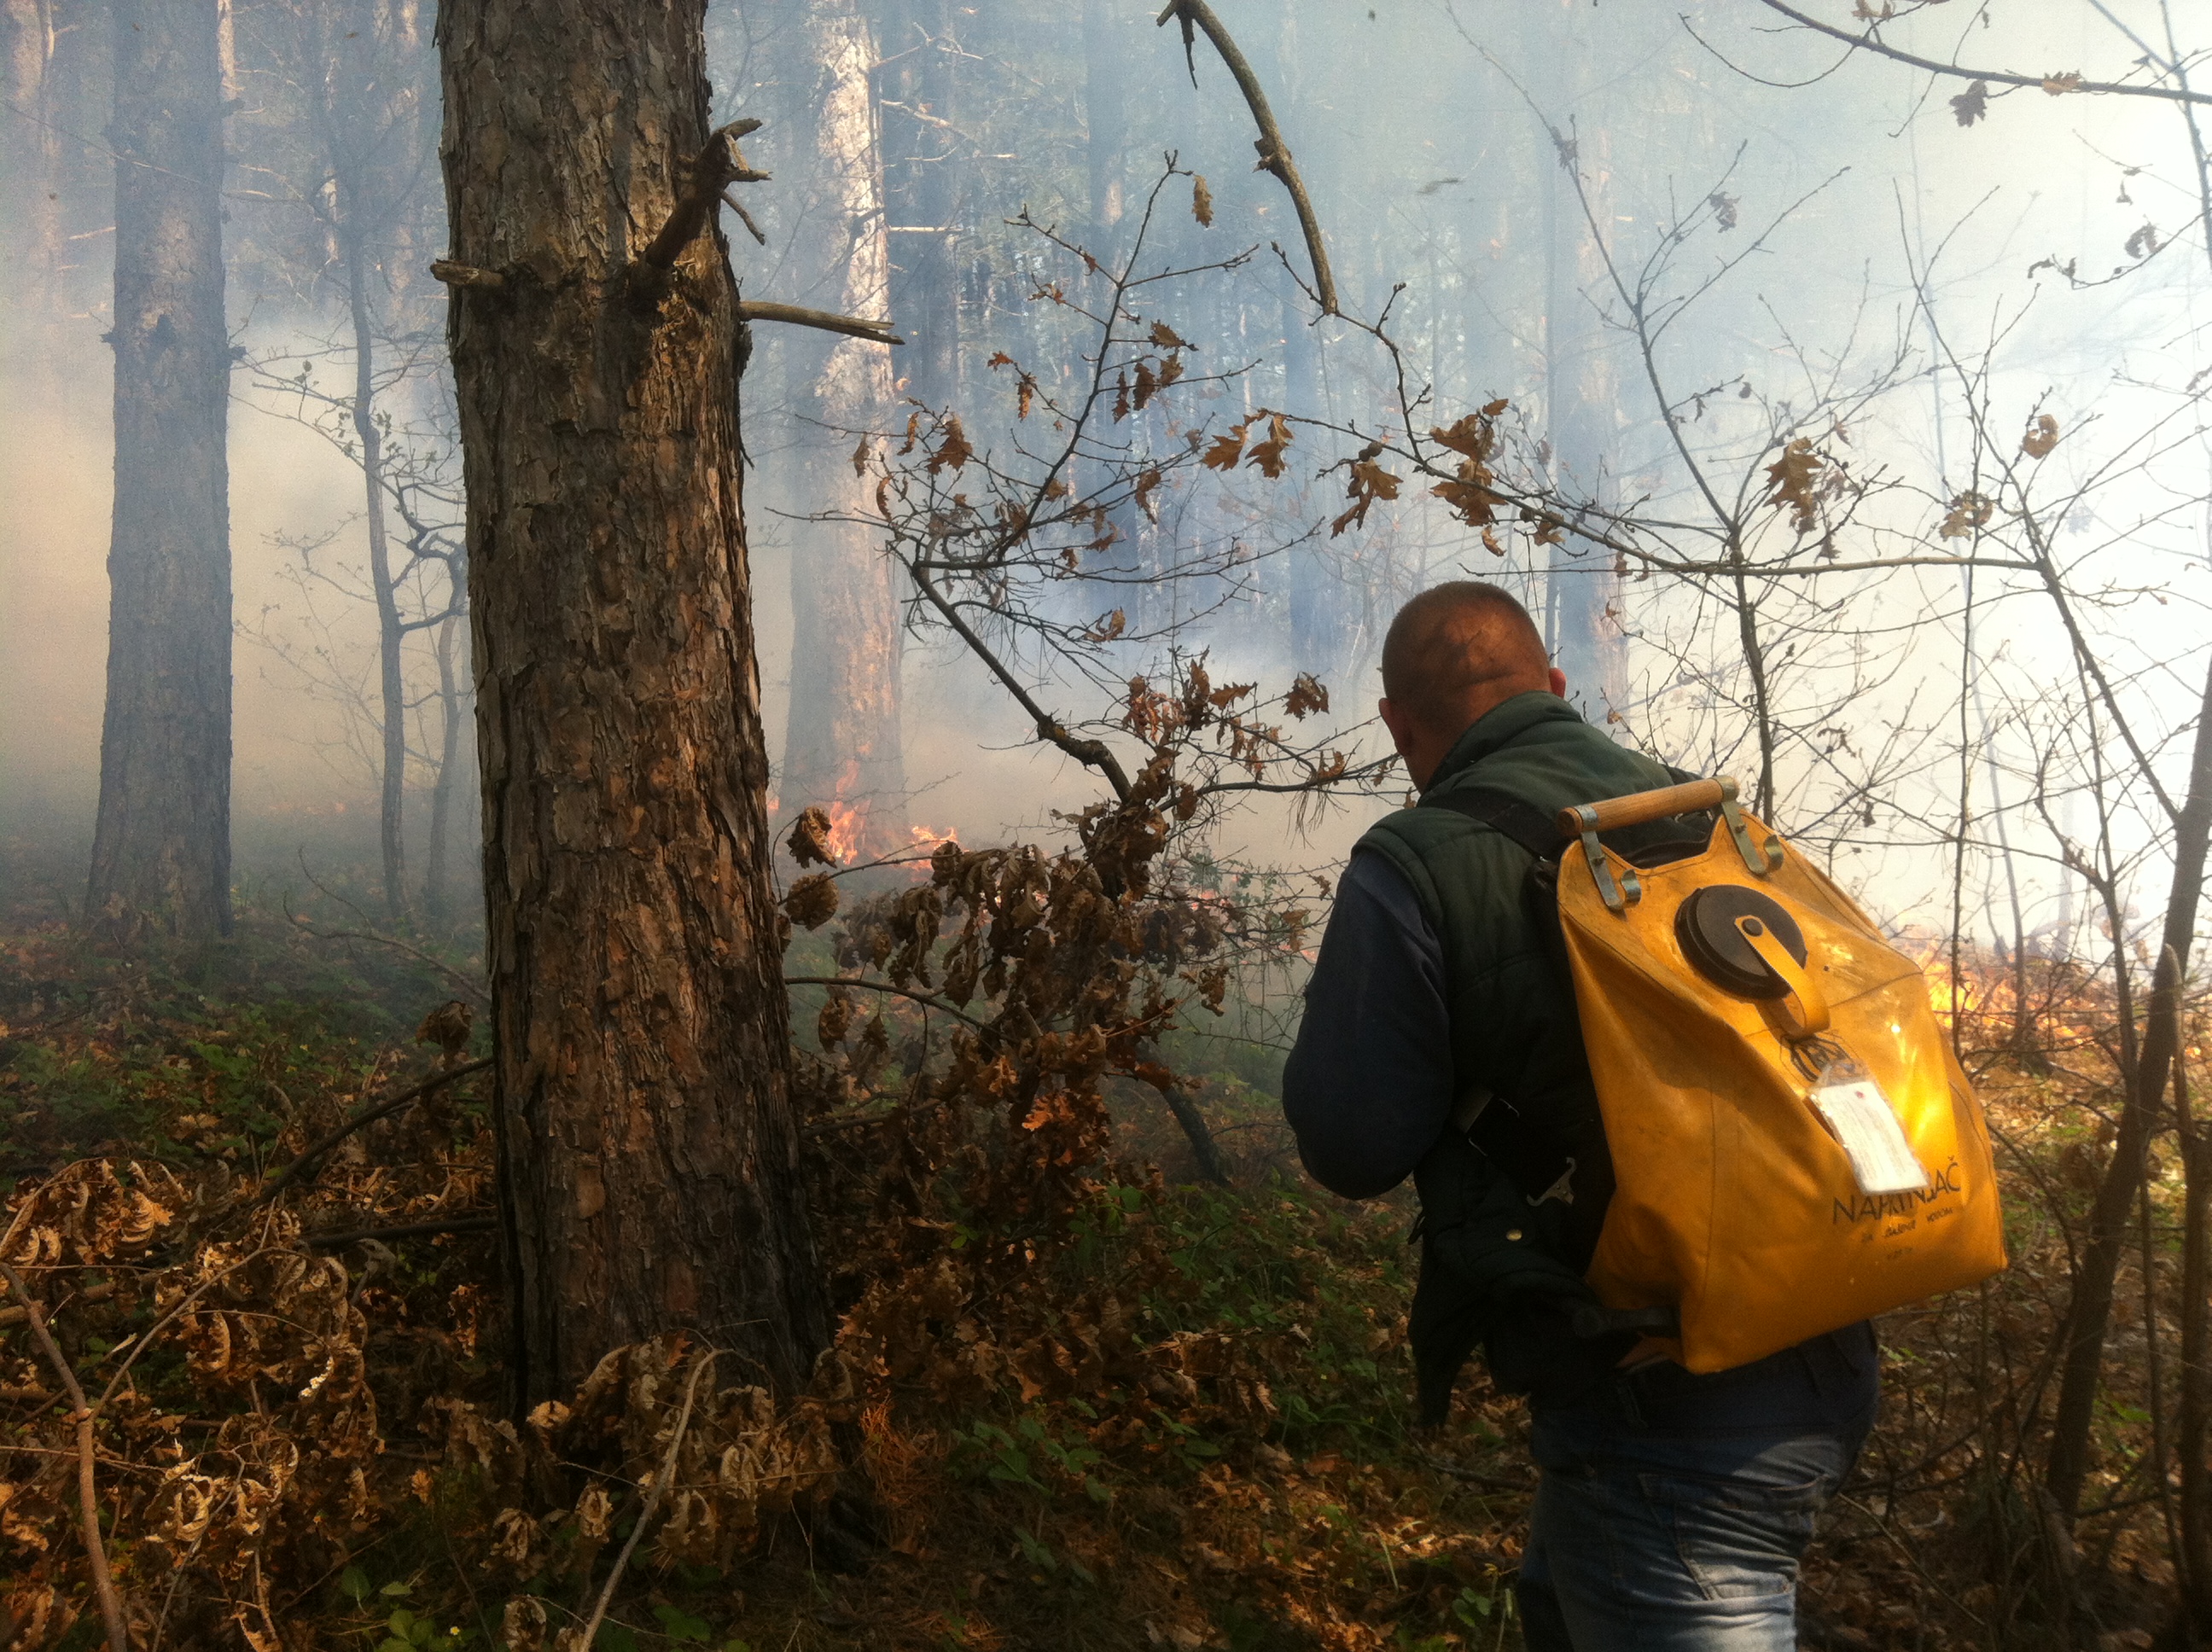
x=846, y=825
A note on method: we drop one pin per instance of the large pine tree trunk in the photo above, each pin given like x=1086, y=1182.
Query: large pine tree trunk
x=160, y=854
x=842, y=745
x=649, y=1153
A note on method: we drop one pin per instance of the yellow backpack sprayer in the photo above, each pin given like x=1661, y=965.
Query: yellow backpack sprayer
x=1794, y=1146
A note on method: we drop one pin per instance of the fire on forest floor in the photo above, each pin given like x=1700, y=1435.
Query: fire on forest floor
x=1205, y=1440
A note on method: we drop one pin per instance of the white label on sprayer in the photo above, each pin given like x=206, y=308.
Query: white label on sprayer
x=1867, y=1125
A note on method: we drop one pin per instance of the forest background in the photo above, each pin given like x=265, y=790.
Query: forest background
x=1840, y=415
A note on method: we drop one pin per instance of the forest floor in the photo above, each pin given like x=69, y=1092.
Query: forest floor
x=1268, y=1489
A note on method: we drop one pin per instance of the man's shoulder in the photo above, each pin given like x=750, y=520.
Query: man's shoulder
x=1562, y=763
x=1457, y=866
x=1408, y=839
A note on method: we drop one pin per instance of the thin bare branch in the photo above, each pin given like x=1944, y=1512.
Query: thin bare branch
x=483, y=1222
x=1274, y=153
x=931, y=999
x=1867, y=42
x=88, y=1490
x=652, y=1496
x=436, y=1081
x=1092, y=753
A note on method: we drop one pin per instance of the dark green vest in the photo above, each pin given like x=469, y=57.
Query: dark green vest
x=1488, y=1252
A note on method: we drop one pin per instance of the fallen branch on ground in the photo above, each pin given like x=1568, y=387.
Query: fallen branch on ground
x=90, y=1293
x=480, y=1223
x=284, y=1177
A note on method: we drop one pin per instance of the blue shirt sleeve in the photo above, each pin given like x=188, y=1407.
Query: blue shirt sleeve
x=1368, y=1088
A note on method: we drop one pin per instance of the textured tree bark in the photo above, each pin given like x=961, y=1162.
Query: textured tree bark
x=160, y=854
x=649, y=1154
x=843, y=745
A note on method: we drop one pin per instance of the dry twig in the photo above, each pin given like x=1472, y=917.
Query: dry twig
x=284, y=1177
x=652, y=1501
x=470, y=987
x=1867, y=42
x=931, y=999
x=88, y=1491
x=483, y=1222
x=876, y=332
x=1274, y=153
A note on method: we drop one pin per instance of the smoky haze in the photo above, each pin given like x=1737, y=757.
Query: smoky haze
x=1821, y=247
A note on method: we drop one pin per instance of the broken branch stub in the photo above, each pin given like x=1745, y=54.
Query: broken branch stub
x=714, y=169
x=877, y=333
x=465, y=275
x=1274, y=152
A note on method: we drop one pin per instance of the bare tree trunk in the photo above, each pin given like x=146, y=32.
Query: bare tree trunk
x=2194, y=1433
x=649, y=1154
x=436, y=902
x=160, y=853
x=1318, y=599
x=1581, y=398
x=391, y=633
x=2089, y=1311
x=1105, y=116
x=925, y=175
x=843, y=745
x=31, y=154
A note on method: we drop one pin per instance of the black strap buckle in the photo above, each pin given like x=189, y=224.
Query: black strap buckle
x=1592, y=1321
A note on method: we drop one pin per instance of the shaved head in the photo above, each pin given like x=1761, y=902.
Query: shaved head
x=1458, y=649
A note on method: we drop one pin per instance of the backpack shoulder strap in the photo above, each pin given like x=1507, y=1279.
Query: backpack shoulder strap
x=1513, y=818
x=1518, y=818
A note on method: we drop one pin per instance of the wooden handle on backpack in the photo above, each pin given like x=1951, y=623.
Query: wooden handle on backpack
x=1639, y=806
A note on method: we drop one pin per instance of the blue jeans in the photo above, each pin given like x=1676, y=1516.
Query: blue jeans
x=1677, y=1526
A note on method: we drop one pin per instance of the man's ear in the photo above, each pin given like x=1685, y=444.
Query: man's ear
x=1400, y=722
x=1558, y=682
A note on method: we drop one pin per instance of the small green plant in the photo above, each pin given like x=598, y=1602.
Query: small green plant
x=1017, y=1456
x=680, y=1625
x=408, y=1630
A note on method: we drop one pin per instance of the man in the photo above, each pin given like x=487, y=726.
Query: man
x=1440, y=1040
